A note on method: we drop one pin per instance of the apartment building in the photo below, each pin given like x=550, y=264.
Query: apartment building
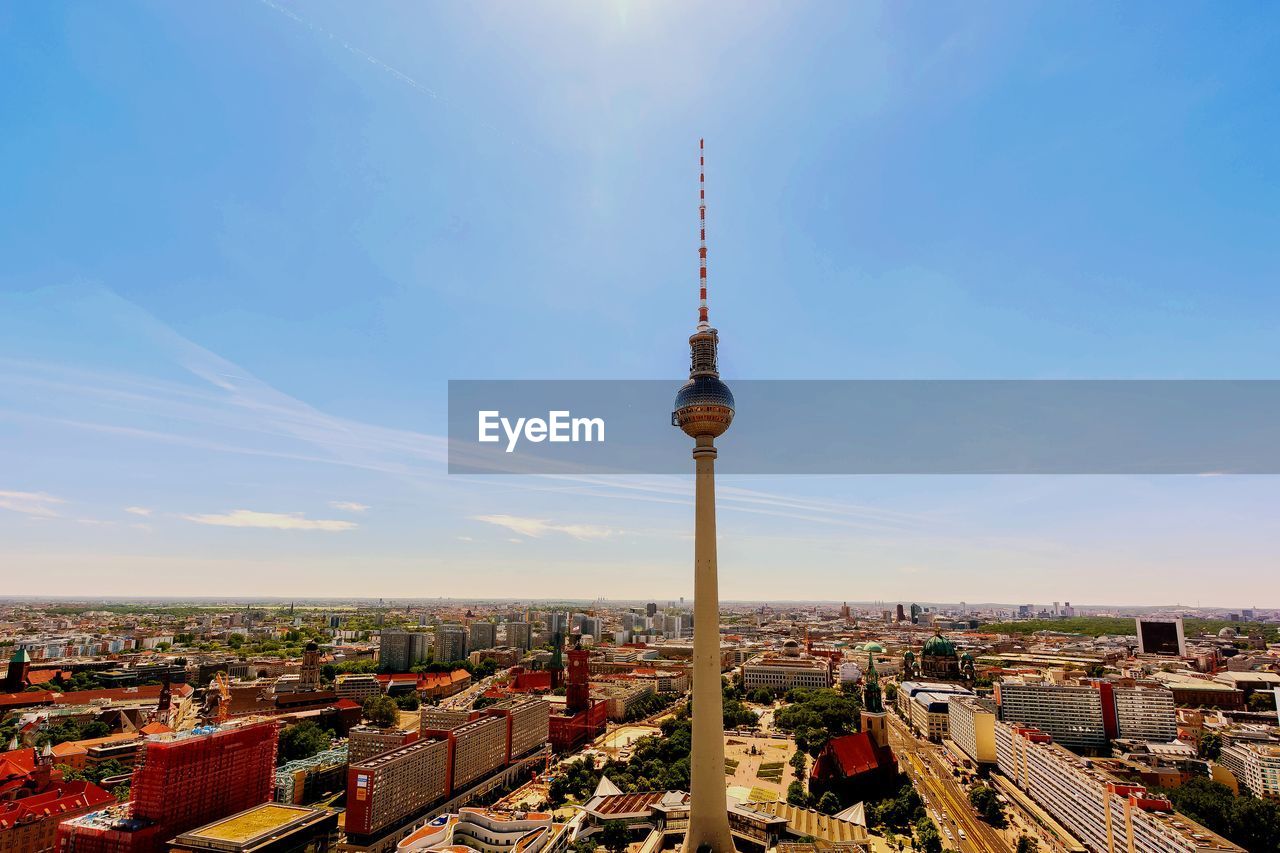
x=391, y=786
x=1103, y=812
x=1072, y=714
x=479, y=748
x=1145, y=712
x=1256, y=766
x=364, y=742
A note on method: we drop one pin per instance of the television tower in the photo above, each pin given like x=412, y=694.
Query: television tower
x=704, y=410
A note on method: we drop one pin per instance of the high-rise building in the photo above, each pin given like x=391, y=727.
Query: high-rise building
x=482, y=635
x=651, y=609
x=184, y=780
x=451, y=643
x=518, y=635
x=971, y=726
x=399, y=650
x=357, y=686
x=1071, y=714
x=704, y=410
x=391, y=786
x=1161, y=636
x=1104, y=812
x=557, y=623
x=1145, y=712
x=364, y=742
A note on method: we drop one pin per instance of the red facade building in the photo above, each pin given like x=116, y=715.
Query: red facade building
x=183, y=781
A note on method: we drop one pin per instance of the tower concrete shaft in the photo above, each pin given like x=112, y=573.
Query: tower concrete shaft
x=708, y=816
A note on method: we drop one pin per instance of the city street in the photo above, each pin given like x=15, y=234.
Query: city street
x=947, y=802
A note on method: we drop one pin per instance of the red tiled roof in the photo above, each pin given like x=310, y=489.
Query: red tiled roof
x=345, y=704
x=17, y=762
x=78, y=796
x=155, y=729
x=852, y=755
x=31, y=697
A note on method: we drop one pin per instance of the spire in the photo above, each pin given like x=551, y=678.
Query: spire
x=703, y=322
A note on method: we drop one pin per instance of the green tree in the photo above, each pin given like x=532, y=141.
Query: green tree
x=95, y=728
x=1209, y=745
x=1026, y=844
x=235, y=641
x=408, y=701
x=614, y=836
x=797, y=796
x=798, y=762
x=1250, y=822
x=987, y=804
x=828, y=803
x=121, y=792
x=381, y=711
x=1261, y=701
x=762, y=696
x=927, y=837
x=303, y=740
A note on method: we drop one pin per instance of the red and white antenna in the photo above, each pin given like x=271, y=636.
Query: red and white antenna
x=703, y=323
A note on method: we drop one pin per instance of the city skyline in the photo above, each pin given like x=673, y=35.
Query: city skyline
x=234, y=292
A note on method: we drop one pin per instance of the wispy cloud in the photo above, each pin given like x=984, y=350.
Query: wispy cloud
x=31, y=503
x=538, y=527
x=271, y=520
x=348, y=506
x=138, y=510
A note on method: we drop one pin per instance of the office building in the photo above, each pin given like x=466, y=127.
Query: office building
x=924, y=705
x=1103, y=812
x=357, y=686
x=451, y=643
x=780, y=673
x=971, y=727
x=1161, y=637
x=269, y=828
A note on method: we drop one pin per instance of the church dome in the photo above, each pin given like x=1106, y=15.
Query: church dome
x=1227, y=633
x=873, y=647
x=939, y=646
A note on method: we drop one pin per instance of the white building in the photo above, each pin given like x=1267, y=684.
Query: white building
x=971, y=727
x=1105, y=813
x=1146, y=713
x=1072, y=714
x=1256, y=766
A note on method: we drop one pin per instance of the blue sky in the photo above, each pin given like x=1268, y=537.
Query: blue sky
x=242, y=250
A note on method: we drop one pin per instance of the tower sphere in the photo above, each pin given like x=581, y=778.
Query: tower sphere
x=704, y=406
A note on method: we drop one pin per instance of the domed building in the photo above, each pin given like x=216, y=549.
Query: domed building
x=938, y=659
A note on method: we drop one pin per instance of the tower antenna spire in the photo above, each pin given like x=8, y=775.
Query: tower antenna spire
x=703, y=322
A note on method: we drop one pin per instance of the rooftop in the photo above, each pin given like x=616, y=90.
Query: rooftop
x=266, y=819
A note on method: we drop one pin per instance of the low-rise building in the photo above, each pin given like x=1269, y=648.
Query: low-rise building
x=268, y=828
x=357, y=686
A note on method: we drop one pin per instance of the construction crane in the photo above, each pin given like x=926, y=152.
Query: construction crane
x=223, y=686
